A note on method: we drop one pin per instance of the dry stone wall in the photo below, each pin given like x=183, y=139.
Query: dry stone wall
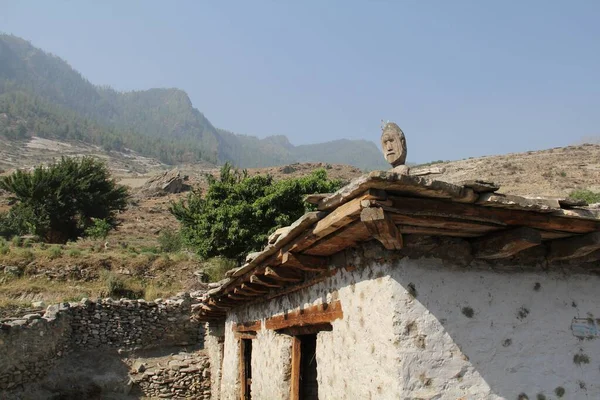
x=184, y=376
x=31, y=345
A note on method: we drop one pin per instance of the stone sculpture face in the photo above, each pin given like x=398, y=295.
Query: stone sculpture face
x=393, y=144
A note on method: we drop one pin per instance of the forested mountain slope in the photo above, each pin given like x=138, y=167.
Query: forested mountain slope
x=41, y=95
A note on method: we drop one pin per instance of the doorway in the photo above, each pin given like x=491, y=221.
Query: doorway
x=304, y=368
x=246, y=368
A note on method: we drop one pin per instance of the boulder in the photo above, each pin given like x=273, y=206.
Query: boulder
x=168, y=182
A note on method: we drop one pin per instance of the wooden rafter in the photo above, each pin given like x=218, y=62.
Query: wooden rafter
x=349, y=236
x=506, y=243
x=304, y=262
x=243, y=292
x=283, y=275
x=254, y=288
x=382, y=227
x=574, y=247
x=265, y=281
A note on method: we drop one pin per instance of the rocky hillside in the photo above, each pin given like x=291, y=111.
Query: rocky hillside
x=546, y=173
x=41, y=95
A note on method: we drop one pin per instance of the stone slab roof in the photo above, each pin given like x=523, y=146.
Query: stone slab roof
x=392, y=207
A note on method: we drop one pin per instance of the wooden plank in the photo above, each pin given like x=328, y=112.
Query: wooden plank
x=304, y=262
x=254, y=288
x=574, y=247
x=493, y=215
x=337, y=219
x=423, y=230
x=317, y=314
x=348, y=237
x=248, y=326
x=295, y=367
x=382, y=227
x=446, y=223
x=264, y=281
x=506, y=243
x=403, y=184
x=282, y=275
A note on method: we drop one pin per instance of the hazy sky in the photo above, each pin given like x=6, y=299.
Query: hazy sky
x=462, y=78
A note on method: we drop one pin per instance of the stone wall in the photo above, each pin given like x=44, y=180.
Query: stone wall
x=428, y=328
x=30, y=346
x=184, y=376
x=214, y=343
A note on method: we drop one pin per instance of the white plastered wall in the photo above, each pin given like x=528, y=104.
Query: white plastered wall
x=408, y=333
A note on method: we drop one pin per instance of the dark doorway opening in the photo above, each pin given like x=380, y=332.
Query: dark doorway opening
x=246, y=372
x=309, y=388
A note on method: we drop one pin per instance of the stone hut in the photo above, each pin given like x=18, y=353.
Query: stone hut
x=403, y=287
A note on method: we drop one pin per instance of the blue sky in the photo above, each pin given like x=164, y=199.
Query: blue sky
x=462, y=78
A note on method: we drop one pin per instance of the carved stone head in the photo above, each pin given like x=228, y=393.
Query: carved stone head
x=393, y=144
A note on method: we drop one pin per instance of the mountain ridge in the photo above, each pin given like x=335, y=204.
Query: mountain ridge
x=56, y=101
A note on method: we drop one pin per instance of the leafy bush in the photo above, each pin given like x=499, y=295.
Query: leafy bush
x=99, y=229
x=169, y=240
x=238, y=212
x=4, y=249
x=586, y=195
x=60, y=202
x=119, y=287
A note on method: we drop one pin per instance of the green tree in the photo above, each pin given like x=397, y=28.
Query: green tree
x=60, y=201
x=239, y=212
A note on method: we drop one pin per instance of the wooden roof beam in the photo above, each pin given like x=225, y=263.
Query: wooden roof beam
x=265, y=281
x=382, y=227
x=254, y=288
x=574, y=247
x=247, y=293
x=304, y=262
x=282, y=275
x=505, y=244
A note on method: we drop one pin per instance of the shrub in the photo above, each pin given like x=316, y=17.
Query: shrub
x=116, y=286
x=238, y=212
x=99, y=229
x=586, y=195
x=169, y=240
x=4, y=249
x=60, y=201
